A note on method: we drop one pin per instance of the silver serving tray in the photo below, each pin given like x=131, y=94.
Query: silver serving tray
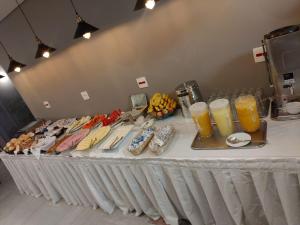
x=217, y=142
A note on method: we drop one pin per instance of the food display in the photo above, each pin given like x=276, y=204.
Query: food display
x=161, y=139
x=62, y=123
x=57, y=143
x=140, y=142
x=200, y=115
x=93, y=138
x=111, y=129
x=77, y=124
x=223, y=114
x=54, y=132
x=247, y=113
x=42, y=128
x=161, y=106
x=20, y=143
x=72, y=141
x=65, y=134
x=43, y=144
x=115, y=138
x=94, y=122
x=112, y=118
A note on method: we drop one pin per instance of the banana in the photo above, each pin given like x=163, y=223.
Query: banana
x=161, y=104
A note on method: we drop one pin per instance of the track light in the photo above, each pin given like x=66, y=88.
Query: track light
x=13, y=64
x=149, y=4
x=43, y=49
x=83, y=29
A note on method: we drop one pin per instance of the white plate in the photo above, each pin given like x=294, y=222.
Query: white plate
x=240, y=136
x=293, y=107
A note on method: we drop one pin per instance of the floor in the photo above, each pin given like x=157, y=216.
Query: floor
x=16, y=209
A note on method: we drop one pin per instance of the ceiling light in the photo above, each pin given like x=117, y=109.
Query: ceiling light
x=149, y=4
x=17, y=69
x=46, y=54
x=83, y=29
x=43, y=50
x=13, y=64
x=1, y=76
x=87, y=35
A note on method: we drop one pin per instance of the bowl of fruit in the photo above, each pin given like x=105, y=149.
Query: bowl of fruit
x=161, y=106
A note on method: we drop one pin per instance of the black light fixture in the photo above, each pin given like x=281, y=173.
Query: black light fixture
x=43, y=50
x=13, y=64
x=1, y=76
x=83, y=29
x=149, y=4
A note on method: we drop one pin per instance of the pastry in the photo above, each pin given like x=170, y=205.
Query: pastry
x=161, y=138
x=140, y=142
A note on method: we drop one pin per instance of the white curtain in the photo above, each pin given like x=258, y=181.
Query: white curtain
x=206, y=192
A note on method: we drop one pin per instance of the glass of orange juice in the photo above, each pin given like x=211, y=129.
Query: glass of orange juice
x=200, y=114
x=246, y=109
x=221, y=112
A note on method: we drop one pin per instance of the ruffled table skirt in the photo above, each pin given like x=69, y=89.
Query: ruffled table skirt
x=206, y=192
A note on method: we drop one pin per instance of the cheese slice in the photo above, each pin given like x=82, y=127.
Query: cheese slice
x=77, y=124
x=93, y=138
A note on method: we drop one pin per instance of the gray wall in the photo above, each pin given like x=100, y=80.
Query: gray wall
x=208, y=40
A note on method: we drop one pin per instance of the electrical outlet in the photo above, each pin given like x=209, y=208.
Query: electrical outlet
x=142, y=82
x=46, y=104
x=85, y=96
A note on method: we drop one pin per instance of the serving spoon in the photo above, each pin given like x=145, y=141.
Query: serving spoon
x=235, y=140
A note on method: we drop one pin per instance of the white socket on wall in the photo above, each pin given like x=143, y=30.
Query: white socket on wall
x=85, y=96
x=142, y=82
x=46, y=104
x=258, y=54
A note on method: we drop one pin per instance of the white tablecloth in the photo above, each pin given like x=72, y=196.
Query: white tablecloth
x=237, y=187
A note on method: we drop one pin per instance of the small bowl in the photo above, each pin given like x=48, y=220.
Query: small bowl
x=293, y=107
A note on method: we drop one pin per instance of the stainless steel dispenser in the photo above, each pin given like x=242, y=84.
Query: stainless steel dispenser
x=188, y=93
x=282, y=51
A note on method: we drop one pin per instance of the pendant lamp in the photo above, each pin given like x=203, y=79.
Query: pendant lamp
x=83, y=29
x=149, y=4
x=43, y=49
x=13, y=64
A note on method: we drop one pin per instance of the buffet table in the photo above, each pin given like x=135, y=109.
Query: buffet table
x=230, y=187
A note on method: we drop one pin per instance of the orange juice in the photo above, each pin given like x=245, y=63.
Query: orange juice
x=221, y=112
x=247, y=113
x=201, y=117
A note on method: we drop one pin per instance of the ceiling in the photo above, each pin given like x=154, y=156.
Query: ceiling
x=7, y=6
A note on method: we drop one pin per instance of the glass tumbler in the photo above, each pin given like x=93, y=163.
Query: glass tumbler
x=200, y=115
x=247, y=112
x=222, y=115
